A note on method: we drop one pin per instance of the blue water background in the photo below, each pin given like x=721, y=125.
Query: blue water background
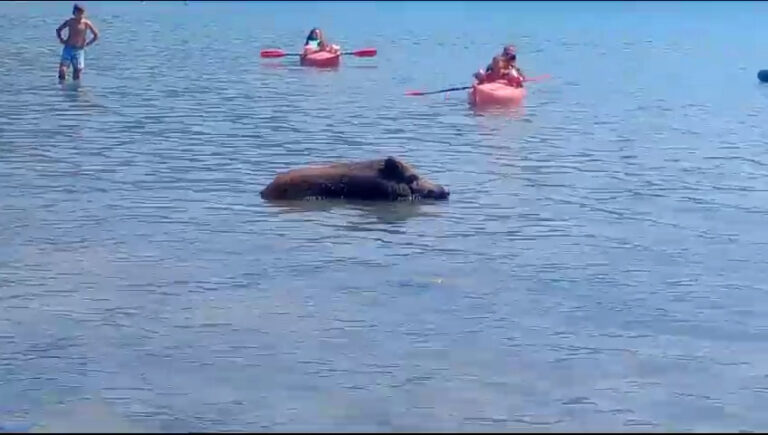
x=601, y=264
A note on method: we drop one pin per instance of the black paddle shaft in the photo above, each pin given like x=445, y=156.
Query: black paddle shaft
x=447, y=90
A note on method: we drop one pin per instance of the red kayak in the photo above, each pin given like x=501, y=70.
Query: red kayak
x=495, y=94
x=321, y=59
x=317, y=58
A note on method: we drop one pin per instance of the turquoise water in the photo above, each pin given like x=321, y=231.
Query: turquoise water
x=599, y=265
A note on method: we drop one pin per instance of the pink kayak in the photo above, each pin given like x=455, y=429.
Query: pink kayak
x=321, y=59
x=495, y=94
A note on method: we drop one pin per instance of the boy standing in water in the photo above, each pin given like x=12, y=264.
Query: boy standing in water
x=74, y=45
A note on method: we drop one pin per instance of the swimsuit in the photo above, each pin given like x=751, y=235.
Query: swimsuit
x=73, y=55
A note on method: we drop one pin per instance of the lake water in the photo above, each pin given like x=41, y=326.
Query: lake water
x=599, y=265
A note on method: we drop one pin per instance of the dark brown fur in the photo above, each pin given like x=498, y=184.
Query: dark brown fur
x=376, y=180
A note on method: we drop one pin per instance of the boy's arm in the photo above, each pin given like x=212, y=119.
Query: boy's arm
x=59, y=29
x=95, y=34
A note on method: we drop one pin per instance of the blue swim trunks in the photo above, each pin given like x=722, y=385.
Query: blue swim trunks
x=73, y=55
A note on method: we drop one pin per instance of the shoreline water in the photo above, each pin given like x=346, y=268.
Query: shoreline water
x=598, y=266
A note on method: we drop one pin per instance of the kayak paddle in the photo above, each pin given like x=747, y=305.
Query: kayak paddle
x=273, y=53
x=419, y=93
x=365, y=52
x=463, y=88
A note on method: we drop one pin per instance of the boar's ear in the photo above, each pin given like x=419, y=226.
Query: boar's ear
x=392, y=170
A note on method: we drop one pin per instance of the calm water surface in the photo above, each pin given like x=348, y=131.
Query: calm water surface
x=600, y=264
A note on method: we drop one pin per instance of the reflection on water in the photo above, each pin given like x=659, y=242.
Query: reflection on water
x=78, y=96
x=514, y=112
x=384, y=213
x=72, y=86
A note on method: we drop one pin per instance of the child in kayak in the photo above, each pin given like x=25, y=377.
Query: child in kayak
x=316, y=42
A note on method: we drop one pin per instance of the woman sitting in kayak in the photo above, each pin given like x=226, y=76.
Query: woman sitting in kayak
x=515, y=71
x=509, y=56
x=316, y=42
x=500, y=71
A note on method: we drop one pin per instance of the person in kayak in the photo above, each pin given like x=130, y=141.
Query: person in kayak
x=314, y=39
x=74, y=46
x=316, y=42
x=500, y=71
x=509, y=56
x=515, y=72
